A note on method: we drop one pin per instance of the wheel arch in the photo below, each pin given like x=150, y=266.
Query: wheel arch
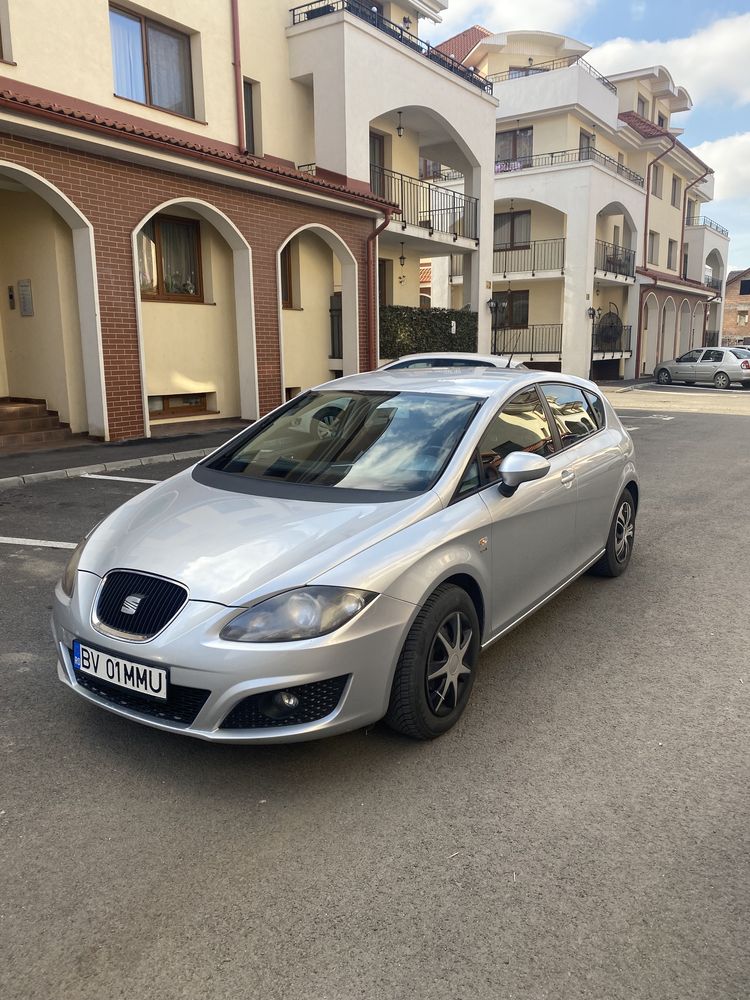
x=468, y=584
x=633, y=487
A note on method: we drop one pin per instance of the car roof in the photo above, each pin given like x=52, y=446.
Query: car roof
x=478, y=382
x=496, y=360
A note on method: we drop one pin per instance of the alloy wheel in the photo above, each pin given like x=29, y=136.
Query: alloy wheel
x=325, y=426
x=663, y=378
x=624, y=531
x=721, y=381
x=447, y=667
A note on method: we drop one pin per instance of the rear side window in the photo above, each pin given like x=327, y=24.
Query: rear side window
x=597, y=407
x=740, y=353
x=572, y=412
x=713, y=356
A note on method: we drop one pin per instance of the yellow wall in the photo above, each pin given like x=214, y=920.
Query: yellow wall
x=404, y=293
x=401, y=154
x=42, y=353
x=191, y=347
x=4, y=391
x=665, y=219
x=306, y=334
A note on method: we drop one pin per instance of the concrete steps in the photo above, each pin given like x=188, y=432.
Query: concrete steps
x=29, y=422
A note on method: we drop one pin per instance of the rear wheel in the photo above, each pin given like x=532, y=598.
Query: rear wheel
x=721, y=380
x=620, y=540
x=663, y=377
x=435, y=672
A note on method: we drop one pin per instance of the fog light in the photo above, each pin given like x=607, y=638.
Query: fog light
x=279, y=705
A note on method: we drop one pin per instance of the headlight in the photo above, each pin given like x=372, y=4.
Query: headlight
x=68, y=581
x=298, y=614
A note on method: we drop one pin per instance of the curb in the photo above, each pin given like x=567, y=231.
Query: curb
x=13, y=482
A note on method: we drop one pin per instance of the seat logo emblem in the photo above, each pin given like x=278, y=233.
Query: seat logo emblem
x=130, y=604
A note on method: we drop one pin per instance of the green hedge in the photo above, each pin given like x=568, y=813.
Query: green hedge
x=407, y=330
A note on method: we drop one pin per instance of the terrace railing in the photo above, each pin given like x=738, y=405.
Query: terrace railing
x=703, y=220
x=545, y=67
x=541, y=338
x=614, y=259
x=429, y=206
x=609, y=341
x=557, y=157
x=538, y=255
x=365, y=12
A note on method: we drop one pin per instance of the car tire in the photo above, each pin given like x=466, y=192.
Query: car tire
x=426, y=700
x=620, y=540
x=325, y=422
x=722, y=380
x=663, y=377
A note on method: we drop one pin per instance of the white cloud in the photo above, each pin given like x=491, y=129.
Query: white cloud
x=711, y=63
x=499, y=15
x=730, y=159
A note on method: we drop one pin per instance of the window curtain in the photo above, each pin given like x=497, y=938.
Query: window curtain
x=179, y=256
x=502, y=229
x=127, y=56
x=147, y=259
x=169, y=70
x=522, y=229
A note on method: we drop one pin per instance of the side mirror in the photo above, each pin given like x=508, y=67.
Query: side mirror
x=521, y=467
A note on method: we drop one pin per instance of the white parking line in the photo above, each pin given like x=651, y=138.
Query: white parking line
x=36, y=542
x=119, y=479
x=631, y=428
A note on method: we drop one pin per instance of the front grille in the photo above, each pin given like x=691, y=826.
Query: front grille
x=316, y=700
x=152, y=600
x=182, y=704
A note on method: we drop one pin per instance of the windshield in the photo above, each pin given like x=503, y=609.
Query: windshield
x=390, y=442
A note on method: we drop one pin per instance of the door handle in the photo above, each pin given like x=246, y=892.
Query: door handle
x=567, y=477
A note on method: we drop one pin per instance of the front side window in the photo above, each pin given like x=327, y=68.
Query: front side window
x=383, y=442
x=169, y=259
x=572, y=412
x=521, y=425
x=689, y=358
x=151, y=63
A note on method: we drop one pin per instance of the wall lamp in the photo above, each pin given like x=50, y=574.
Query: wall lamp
x=402, y=258
x=399, y=127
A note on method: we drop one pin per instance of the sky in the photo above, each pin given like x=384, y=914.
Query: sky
x=705, y=47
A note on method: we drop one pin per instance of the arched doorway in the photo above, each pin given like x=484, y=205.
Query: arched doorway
x=318, y=309
x=684, y=339
x=187, y=255
x=696, y=339
x=50, y=340
x=668, y=330
x=650, y=332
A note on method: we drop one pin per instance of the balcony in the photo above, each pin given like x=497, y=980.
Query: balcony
x=614, y=259
x=542, y=338
x=710, y=282
x=711, y=338
x=561, y=157
x=363, y=11
x=538, y=255
x=609, y=341
x=457, y=266
x=546, y=67
x=427, y=206
x=702, y=220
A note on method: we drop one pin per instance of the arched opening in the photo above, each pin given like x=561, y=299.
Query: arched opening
x=318, y=310
x=713, y=271
x=668, y=330
x=685, y=339
x=696, y=339
x=50, y=337
x=196, y=362
x=649, y=334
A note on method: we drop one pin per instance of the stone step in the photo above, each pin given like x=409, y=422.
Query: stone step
x=22, y=411
x=55, y=434
x=24, y=424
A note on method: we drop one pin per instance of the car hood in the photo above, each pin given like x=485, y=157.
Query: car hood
x=231, y=547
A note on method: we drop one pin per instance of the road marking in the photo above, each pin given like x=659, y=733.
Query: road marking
x=658, y=416
x=37, y=542
x=120, y=479
x=631, y=428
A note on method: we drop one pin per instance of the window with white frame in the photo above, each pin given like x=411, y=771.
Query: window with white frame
x=653, y=247
x=657, y=179
x=676, y=190
x=672, y=255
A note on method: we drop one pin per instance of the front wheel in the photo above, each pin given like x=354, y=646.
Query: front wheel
x=663, y=377
x=721, y=380
x=435, y=672
x=620, y=539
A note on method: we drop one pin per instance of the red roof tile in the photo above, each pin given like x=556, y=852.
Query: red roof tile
x=649, y=130
x=88, y=116
x=674, y=279
x=460, y=45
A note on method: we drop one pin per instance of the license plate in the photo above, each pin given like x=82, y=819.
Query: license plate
x=151, y=681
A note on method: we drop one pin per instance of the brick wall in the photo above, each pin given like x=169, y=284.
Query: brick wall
x=736, y=328
x=114, y=196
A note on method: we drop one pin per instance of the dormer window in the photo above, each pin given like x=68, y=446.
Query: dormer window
x=661, y=120
x=642, y=107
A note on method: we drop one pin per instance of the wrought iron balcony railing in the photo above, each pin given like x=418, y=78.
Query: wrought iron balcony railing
x=710, y=282
x=457, y=265
x=540, y=338
x=567, y=156
x=429, y=206
x=712, y=338
x=610, y=341
x=319, y=8
x=536, y=68
x=703, y=220
x=614, y=259
x=538, y=255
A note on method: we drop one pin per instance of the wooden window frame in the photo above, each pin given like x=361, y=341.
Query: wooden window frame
x=160, y=295
x=513, y=245
x=285, y=260
x=178, y=411
x=144, y=21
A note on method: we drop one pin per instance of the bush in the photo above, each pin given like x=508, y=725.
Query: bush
x=408, y=330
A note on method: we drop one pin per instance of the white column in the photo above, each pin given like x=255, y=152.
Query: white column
x=479, y=182
x=441, y=289
x=578, y=291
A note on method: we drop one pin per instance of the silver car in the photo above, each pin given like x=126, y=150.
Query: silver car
x=720, y=365
x=454, y=359
x=288, y=587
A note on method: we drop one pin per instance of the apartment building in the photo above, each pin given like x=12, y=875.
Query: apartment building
x=603, y=259
x=736, y=322
x=201, y=206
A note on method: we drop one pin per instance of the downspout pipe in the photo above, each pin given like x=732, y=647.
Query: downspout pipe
x=702, y=177
x=641, y=295
x=372, y=303
x=238, y=82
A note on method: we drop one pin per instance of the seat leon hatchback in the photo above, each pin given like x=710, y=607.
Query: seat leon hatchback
x=290, y=586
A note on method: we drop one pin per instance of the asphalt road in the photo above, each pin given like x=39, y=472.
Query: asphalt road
x=582, y=833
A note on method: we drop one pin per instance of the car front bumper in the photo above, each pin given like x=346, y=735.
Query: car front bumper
x=365, y=651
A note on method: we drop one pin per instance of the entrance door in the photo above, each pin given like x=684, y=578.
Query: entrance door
x=337, y=327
